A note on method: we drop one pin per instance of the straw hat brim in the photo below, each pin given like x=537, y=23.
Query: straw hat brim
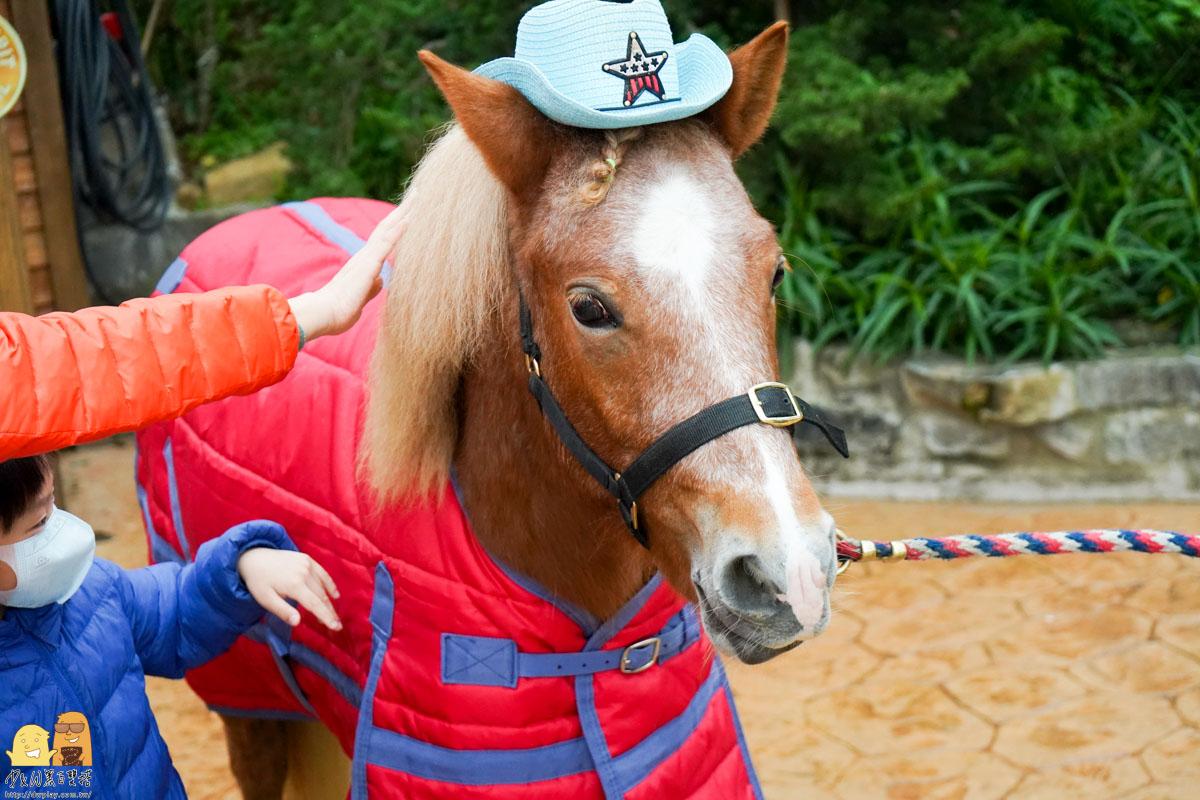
x=704, y=77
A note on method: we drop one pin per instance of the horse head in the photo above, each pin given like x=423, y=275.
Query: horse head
x=649, y=279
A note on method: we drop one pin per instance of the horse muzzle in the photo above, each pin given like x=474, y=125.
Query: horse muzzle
x=755, y=614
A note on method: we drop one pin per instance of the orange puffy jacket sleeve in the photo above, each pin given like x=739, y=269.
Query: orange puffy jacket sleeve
x=73, y=378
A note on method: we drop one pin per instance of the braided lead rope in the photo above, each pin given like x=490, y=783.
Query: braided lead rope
x=1017, y=544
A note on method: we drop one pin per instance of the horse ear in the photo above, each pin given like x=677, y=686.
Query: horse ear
x=516, y=140
x=741, y=116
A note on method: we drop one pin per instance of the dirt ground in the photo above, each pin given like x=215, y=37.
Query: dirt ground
x=1021, y=679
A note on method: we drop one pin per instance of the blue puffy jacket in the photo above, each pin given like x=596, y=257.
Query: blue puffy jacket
x=90, y=655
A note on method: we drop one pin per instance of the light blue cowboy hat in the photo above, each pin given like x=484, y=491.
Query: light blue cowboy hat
x=600, y=64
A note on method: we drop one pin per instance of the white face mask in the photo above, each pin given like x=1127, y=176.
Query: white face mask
x=50, y=566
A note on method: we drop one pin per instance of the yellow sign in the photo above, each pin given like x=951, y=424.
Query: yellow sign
x=13, y=67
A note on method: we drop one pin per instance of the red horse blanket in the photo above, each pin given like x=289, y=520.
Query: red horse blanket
x=453, y=676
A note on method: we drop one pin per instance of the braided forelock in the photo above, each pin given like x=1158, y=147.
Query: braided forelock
x=604, y=170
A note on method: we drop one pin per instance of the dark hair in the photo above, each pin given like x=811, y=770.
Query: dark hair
x=21, y=481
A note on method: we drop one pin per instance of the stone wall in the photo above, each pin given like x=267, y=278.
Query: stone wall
x=1123, y=429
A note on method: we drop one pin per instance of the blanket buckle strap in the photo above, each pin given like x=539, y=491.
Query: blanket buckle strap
x=629, y=664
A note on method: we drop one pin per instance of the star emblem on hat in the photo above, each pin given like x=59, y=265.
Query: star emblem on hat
x=639, y=70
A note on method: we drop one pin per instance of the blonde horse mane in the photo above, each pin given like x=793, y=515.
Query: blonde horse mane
x=450, y=270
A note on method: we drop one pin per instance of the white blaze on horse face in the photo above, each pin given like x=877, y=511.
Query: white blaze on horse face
x=807, y=582
x=684, y=262
x=673, y=238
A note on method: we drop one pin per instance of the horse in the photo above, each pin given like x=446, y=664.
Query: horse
x=627, y=274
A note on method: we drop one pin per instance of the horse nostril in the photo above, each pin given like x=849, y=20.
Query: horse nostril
x=748, y=587
x=754, y=569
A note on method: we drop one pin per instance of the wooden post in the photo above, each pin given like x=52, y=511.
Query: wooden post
x=14, y=270
x=48, y=140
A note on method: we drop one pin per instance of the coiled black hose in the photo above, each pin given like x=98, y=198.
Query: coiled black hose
x=118, y=162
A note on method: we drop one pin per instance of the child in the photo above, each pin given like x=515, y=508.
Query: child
x=78, y=634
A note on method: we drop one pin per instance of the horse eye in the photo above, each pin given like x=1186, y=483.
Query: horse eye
x=778, y=279
x=590, y=312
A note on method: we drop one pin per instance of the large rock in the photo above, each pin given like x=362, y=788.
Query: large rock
x=1024, y=395
x=1031, y=396
x=948, y=436
x=1071, y=439
x=951, y=384
x=1151, y=435
x=1168, y=379
x=255, y=178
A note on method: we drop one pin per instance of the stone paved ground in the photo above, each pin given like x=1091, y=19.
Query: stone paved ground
x=1038, y=678
x=1023, y=679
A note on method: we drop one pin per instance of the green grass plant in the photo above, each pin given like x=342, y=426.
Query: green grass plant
x=979, y=271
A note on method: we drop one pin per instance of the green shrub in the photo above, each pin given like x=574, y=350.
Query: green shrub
x=994, y=180
x=983, y=272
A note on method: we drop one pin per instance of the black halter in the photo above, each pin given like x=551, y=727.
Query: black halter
x=768, y=403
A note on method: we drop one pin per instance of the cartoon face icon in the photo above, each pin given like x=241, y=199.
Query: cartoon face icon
x=31, y=747
x=72, y=740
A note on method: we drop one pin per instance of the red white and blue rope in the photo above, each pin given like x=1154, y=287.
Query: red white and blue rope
x=1019, y=544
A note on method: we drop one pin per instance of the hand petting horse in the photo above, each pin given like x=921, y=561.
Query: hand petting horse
x=520, y=573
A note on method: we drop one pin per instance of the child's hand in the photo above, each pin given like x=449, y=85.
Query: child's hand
x=275, y=576
x=337, y=305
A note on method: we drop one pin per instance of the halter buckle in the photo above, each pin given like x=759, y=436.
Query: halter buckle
x=532, y=365
x=654, y=644
x=775, y=422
